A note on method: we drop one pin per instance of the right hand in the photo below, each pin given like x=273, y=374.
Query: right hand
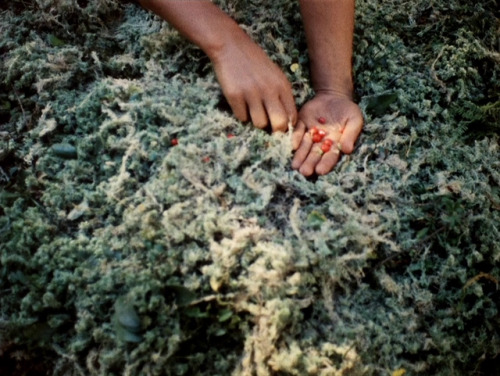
x=344, y=121
x=254, y=86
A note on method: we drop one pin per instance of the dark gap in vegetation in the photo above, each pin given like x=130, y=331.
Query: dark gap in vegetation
x=489, y=366
x=82, y=3
x=16, y=360
x=223, y=105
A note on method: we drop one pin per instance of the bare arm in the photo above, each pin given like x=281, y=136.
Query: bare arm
x=254, y=86
x=199, y=21
x=329, y=26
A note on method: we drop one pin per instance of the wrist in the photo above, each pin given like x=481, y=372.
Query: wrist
x=222, y=48
x=217, y=44
x=346, y=92
x=201, y=22
x=332, y=78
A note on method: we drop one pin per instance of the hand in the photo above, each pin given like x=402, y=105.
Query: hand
x=343, y=125
x=254, y=86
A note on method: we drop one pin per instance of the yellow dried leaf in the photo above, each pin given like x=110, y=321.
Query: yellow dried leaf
x=399, y=372
x=215, y=284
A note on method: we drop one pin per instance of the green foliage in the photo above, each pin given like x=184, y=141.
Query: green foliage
x=121, y=253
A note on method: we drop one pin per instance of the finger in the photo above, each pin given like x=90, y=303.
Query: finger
x=277, y=114
x=334, y=133
x=239, y=107
x=286, y=98
x=328, y=161
x=257, y=111
x=304, y=147
x=307, y=168
x=298, y=134
x=350, y=134
x=331, y=157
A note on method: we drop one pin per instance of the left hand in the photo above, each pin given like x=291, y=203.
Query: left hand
x=343, y=125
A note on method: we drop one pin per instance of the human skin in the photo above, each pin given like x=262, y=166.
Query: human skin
x=329, y=27
x=257, y=89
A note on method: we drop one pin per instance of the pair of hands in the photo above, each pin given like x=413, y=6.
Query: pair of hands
x=258, y=90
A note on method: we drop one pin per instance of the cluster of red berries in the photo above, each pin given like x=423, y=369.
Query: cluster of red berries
x=327, y=145
x=318, y=135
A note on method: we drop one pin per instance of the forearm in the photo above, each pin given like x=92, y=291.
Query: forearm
x=329, y=27
x=200, y=21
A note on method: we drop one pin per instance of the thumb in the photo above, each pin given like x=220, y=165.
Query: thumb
x=351, y=132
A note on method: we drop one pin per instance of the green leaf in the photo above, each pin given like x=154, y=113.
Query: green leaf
x=225, y=315
x=125, y=335
x=126, y=315
x=55, y=41
x=315, y=218
x=220, y=332
x=422, y=233
x=379, y=104
x=64, y=151
x=183, y=296
x=196, y=313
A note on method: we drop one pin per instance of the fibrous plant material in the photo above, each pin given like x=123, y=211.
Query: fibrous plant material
x=145, y=231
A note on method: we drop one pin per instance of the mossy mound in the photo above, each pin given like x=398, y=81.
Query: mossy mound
x=123, y=253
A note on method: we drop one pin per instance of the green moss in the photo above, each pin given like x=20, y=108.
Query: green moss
x=122, y=253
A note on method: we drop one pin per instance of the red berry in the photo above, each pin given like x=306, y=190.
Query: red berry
x=313, y=131
x=206, y=159
x=322, y=133
x=316, y=138
x=328, y=141
x=174, y=142
x=326, y=147
x=321, y=120
x=230, y=135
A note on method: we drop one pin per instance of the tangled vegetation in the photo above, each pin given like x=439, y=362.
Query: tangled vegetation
x=122, y=253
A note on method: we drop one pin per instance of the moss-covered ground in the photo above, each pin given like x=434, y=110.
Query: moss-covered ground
x=122, y=254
